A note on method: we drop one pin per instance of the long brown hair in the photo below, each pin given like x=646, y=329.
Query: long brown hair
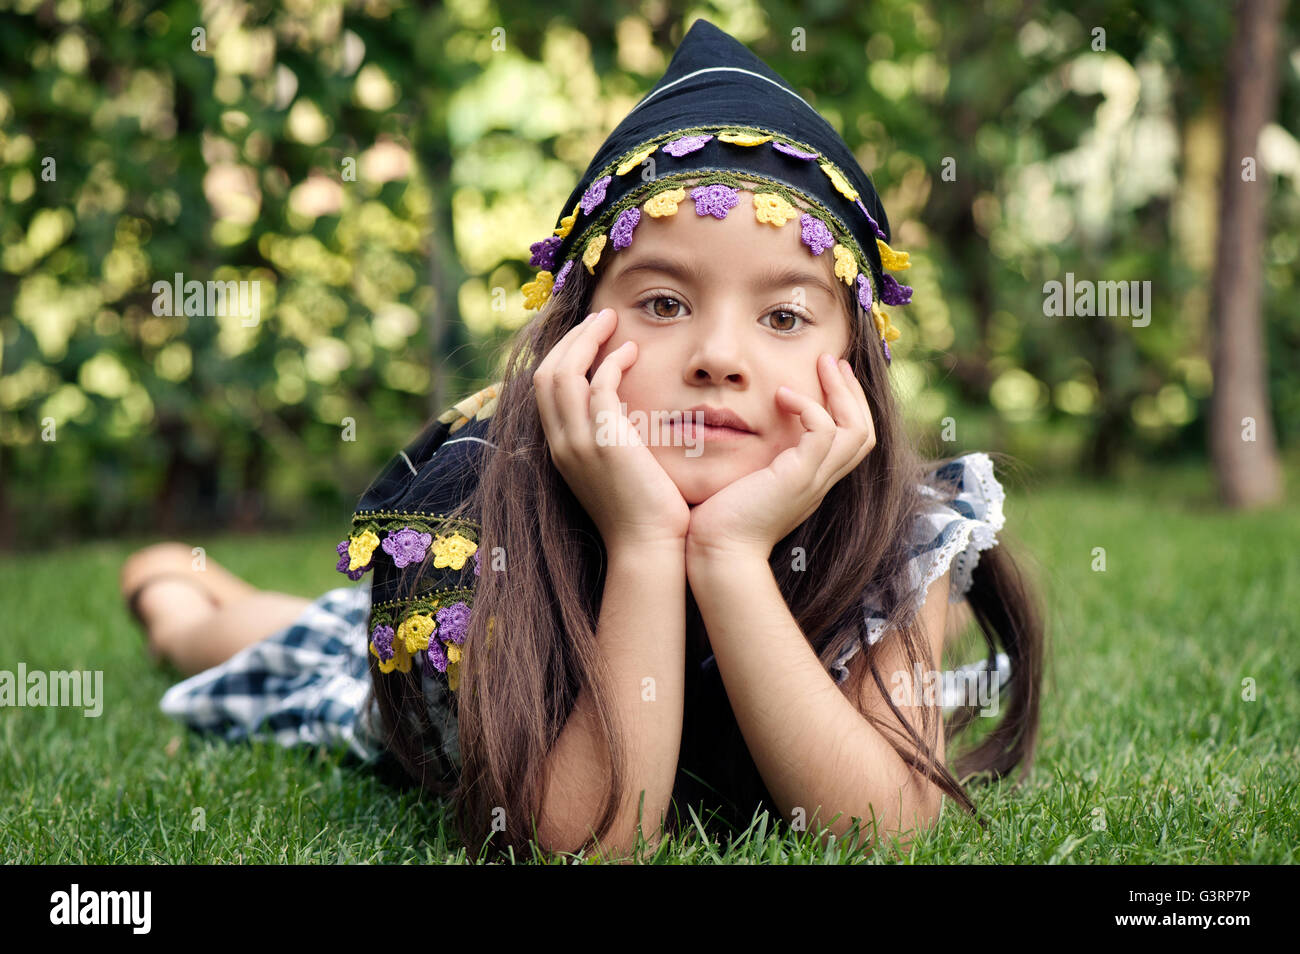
x=515, y=695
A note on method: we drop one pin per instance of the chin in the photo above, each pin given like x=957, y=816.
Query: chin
x=695, y=490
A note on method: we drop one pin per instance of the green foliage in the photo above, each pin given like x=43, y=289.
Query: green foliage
x=1010, y=148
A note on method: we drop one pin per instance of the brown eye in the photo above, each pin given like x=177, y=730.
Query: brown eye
x=654, y=303
x=661, y=314
x=791, y=316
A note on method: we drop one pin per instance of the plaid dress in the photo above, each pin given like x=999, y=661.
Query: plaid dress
x=309, y=683
x=306, y=684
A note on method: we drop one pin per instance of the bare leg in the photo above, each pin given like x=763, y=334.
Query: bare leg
x=196, y=636
x=184, y=625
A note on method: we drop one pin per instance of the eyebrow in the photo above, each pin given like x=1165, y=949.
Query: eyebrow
x=774, y=276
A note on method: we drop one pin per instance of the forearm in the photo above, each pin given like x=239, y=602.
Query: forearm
x=814, y=750
x=641, y=635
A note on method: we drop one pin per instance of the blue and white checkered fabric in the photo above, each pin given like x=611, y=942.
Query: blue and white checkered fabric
x=306, y=684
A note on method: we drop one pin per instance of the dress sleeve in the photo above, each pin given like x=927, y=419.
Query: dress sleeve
x=949, y=535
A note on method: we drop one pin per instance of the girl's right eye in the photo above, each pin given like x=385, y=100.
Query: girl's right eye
x=646, y=300
x=657, y=298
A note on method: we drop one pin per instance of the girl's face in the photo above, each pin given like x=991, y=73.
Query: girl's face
x=723, y=312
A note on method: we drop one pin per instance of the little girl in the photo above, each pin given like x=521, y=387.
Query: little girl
x=577, y=626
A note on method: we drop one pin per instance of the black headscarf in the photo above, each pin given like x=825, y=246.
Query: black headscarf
x=722, y=114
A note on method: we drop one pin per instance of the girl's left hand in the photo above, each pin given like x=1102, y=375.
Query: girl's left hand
x=754, y=513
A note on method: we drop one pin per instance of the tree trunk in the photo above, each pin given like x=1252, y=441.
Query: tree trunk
x=1242, y=440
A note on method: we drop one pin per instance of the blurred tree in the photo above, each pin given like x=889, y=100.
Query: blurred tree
x=1242, y=436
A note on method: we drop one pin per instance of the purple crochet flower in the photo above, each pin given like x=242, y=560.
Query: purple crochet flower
x=544, y=252
x=888, y=358
x=595, y=194
x=864, y=292
x=792, y=151
x=345, y=561
x=716, y=200
x=453, y=622
x=382, y=637
x=815, y=233
x=686, y=144
x=479, y=553
x=879, y=234
x=407, y=546
x=623, y=226
x=892, y=293
x=559, y=279
x=435, y=657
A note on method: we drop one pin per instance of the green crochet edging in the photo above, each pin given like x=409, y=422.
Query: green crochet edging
x=391, y=521
x=394, y=612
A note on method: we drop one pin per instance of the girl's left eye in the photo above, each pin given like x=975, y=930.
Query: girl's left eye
x=792, y=310
x=788, y=308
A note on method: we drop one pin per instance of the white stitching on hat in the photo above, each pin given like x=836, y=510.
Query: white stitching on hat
x=714, y=69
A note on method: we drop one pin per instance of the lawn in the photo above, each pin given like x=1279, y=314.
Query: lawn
x=1148, y=752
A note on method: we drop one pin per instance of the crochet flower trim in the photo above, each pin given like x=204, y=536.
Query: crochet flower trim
x=431, y=626
x=428, y=630
x=716, y=194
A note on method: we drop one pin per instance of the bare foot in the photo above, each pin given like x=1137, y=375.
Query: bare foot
x=148, y=562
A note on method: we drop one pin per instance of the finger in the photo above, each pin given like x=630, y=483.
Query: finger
x=846, y=448
x=840, y=400
x=570, y=384
x=860, y=399
x=544, y=381
x=819, y=429
x=605, y=383
x=854, y=436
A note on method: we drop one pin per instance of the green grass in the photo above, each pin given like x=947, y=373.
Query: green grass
x=1148, y=753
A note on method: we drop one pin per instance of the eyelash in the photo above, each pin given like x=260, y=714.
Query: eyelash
x=788, y=307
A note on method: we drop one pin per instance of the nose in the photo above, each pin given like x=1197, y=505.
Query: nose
x=717, y=356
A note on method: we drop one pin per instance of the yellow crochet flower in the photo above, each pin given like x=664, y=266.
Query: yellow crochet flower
x=452, y=551
x=453, y=676
x=401, y=660
x=360, y=549
x=742, y=139
x=840, y=183
x=883, y=327
x=846, y=266
x=592, y=254
x=414, y=632
x=566, y=223
x=665, y=203
x=538, y=290
x=453, y=653
x=773, y=209
x=894, y=261
x=631, y=162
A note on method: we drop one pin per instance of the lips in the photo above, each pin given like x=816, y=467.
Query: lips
x=720, y=417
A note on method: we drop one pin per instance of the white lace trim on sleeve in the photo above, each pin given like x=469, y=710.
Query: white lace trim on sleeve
x=951, y=535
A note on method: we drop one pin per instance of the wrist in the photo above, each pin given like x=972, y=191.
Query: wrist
x=704, y=552
x=650, y=548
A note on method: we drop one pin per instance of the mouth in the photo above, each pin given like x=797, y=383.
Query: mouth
x=717, y=418
x=708, y=432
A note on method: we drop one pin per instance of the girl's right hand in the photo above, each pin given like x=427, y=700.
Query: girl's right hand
x=628, y=495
